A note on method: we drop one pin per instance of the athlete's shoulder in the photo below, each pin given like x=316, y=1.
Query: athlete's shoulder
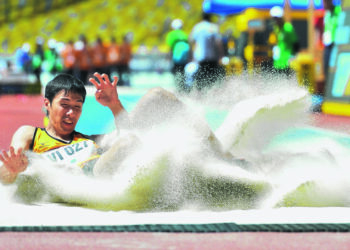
x=81, y=135
x=23, y=136
x=76, y=133
x=25, y=131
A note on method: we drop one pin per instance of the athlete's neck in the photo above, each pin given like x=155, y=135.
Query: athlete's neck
x=63, y=137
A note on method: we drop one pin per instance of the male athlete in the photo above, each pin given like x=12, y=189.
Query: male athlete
x=64, y=98
x=59, y=142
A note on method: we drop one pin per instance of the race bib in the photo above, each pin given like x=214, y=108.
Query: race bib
x=74, y=154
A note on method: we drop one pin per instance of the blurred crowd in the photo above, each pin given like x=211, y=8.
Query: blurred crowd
x=200, y=54
x=79, y=58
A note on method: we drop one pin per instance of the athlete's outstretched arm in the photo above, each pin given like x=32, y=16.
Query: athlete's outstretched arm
x=15, y=161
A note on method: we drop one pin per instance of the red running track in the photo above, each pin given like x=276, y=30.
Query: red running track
x=202, y=241
x=18, y=110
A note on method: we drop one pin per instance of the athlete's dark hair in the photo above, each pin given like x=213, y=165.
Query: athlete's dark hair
x=65, y=82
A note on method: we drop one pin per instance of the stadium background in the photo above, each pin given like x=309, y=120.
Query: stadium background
x=148, y=21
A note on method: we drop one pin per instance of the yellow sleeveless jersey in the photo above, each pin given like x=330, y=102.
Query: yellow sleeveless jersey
x=80, y=151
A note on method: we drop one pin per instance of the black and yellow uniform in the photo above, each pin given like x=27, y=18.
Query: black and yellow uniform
x=80, y=151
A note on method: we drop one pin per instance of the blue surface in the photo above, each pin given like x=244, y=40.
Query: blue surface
x=97, y=119
x=309, y=134
x=342, y=75
x=229, y=7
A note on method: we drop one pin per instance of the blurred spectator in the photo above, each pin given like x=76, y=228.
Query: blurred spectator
x=142, y=49
x=287, y=41
x=38, y=58
x=125, y=57
x=23, y=58
x=98, y=56
x=68, y=56
x=6, y=69
x=154, y=56
x=331, y=17
x=113, y=57
x=83, y=57
x=52, y=60
x=229, y=43
x=207, y=52
x=319, y=28
x=177, y=40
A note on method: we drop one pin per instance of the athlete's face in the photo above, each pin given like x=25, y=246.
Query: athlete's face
x=64, y=112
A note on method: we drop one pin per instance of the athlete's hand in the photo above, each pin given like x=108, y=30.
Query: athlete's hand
x=106, y=91
x=14, y=162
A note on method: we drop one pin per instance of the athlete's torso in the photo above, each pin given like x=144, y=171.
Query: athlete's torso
x=80, y=151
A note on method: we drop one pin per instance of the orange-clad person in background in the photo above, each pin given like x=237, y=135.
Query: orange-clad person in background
x=98, y=56
x=68, y=56
x=113, y=57
x=125, y=58
x=83, y=57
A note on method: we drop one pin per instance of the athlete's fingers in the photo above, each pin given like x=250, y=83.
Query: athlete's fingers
x=98, y=94
x=5, y=156
x=2, y=158
x=93, y=81
x=23, y=164
x=115, y=82
x=106, y=78
x=25, y=159
x=20, y=151
x=12, y=152
x=99, y=77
